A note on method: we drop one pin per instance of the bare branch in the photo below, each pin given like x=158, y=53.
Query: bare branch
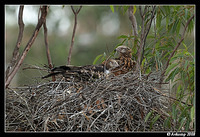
x=133, y=20
x=20, y=35
x=134, y=27
x=73, y=35
x=28, y=46
x=47, y=48
x=47, y=45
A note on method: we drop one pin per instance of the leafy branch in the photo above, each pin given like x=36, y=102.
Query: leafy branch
x=178, y=44
x=144, y=32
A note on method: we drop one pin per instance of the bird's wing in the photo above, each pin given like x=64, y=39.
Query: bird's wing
x=81, y=72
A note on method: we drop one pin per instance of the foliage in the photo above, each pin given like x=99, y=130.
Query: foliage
x=165, y=33
x=183, y=68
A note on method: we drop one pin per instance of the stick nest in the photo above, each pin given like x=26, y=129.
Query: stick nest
x=120, y=103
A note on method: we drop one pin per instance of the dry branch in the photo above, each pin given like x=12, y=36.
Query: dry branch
x=73, y=35
x=133, y=21
x=20, y=35
x=47, y=47
x=28, y=46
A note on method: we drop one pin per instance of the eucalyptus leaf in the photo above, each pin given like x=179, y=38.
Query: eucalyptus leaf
x=147, y=116
x=172, y=66
x=112, y=8
x=97, y=58
x=181, y=123
x=154, y=120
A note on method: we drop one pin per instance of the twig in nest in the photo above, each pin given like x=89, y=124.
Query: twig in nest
x=112, y=104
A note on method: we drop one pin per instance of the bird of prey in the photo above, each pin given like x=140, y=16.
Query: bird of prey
x=125, y=61
x=116, y=66
x=84, y=73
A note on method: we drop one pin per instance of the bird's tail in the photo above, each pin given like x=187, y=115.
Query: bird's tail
x=51, y=74
x=57, y=70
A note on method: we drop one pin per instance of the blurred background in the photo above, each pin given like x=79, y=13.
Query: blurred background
x=97, y=31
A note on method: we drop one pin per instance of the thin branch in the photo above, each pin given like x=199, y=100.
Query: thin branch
x=73, y=35
x=133, y=21
x=179, y=43
x=134, y=27
x=20, y=35
x=28, y=46
x=144, y=33
x=147, y=32
x=47, y=47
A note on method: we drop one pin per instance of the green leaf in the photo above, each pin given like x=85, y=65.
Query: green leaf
x=182, y=122
x=148, y=70
x=125, y=9
x=165, y=47
x=122, y=37
x=147, y=116
x=184, y=112
x=187, y=125
x=151, y=37
x=123, y=41
x=97, y=58
x=167, y=22
x=187, y=53
x=154, y=120
x=167, y=9
x=192, y=113
x=134, y=9
x=174, y=26
x=167, y=122
x=186, y=64
x=171, y=67
x=178, y=27
x=178, y=55
x=157, y=45
x=143, y=61
x=174, y=111
x=112, y=8
x=185, y=46
x=174, y=73
x=158, y=19
x=186, y=14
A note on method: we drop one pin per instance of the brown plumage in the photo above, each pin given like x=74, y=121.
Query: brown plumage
x=117, y=66
x=125, y=61
x=84, y=73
